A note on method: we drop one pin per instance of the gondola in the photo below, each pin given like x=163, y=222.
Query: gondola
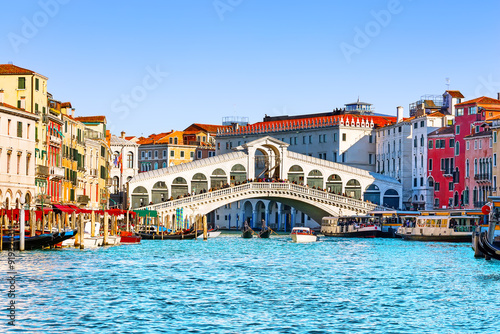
x=265, y=233
x=247, y=234
x=182, y=235
x=487, y=248
x=30, y=243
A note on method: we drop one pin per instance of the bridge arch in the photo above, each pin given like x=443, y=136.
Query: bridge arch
x=296, y=174
x=391, y=198
x=179, y=187
x=353, y=189
x=372, y=194
x=218, y=178
x=140, y=197
x=199, y=183
x=159, y=193
x=334, y=184
x=238, y=174
x=315, y=179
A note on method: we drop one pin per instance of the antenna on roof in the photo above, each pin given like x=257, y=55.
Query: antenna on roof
x=448, y=83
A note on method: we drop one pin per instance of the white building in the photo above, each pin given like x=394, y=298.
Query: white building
x=125, y=165
x=17, y=155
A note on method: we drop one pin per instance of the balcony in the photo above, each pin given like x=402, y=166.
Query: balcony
x=482, y=177
x=56, y=173
x=83, y=199
x=109, y=182
x=55, y=140
x=92, y=172
x=42, y=171
x=448, y=173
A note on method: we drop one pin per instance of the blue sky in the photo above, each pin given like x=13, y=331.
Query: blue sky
x=153, y=66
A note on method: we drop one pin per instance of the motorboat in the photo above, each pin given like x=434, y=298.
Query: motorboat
x=129, y=238
x=303, y=234
x=212, y=233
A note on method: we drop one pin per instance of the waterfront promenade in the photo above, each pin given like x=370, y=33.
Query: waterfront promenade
x=234, y=285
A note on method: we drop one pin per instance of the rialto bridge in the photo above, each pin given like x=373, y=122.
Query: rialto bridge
x=264, y=169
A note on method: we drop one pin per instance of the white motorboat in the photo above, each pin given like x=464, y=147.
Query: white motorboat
x=210, y=234
x=303, y=234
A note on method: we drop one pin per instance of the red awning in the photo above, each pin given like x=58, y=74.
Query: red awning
x=38, y=213
x=77, y=209
x=64, y=208
x=13, y=214
x=115, y=212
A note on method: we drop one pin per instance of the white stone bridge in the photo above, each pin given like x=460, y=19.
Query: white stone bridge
x=220, y=180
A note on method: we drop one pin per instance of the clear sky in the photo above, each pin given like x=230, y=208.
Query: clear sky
x=153, y=66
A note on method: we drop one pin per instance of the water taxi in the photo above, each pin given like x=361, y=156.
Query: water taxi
x=452, y=228
x=303, y=234
x=391, y=220
x=351, y=227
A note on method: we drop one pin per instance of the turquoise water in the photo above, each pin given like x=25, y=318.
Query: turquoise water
x=234, y=285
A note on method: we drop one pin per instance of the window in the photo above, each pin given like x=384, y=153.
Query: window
x=467, y=145
x=442, y=144
x=491, y=142
x=399, y=129
x=421, y=181
x=370, y=139
x=37, y=84
x=415, y=141
x=457, y=129
x=436, y=202
x=191, y=154
x=150, y=154
x=28, y=158
x=164, y=164
x=370, y=156
x=170, y=140
x=422, y=124
x=344, y=137
x=457, y=148
x=438, y=143
x=436, y=186
x=480, y=144
x=452, y=142
x=156, y=155
x=431, y=144
x=130, y=160
x=164, y=154
x=182, y=154
x=310, y=139
x=460, y=111
x=172, y=153
x=18, y=163
x=19, y=130
x=199, y=154
x=21, y=83
x=450, y=185
x=334, y=156
x=415, y=182
x=494, y=159
x=415, y=125
x=430, y=164
x=142, y=155
x=431, y=182
x=467, y=167
x=422, y=140
x=472, y=110
x=495, y=137
x=304, y=139
x=175, y=141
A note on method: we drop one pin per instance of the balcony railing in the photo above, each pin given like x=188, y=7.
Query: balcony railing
x=57, y=172
x=55, y=139
x=482, y=177
x=83, y=199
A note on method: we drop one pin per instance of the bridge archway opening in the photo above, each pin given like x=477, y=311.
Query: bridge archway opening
x=159, y=193
x=334, y=184
x=353, y=189
x=218, y=178
x=140, y=197
x=391, y=199
x=296, y=174
x=372, y=194
x=238, y=174
x=199, y=183
x=179, y=187
x=247, y=213
x=315, y=179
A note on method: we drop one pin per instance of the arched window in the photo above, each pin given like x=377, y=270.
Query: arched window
x=475, y=167
x=422, y=140
x=164, y=165
x=457, y=148
x=156, y=165
x=130, y=160
x=467, y=168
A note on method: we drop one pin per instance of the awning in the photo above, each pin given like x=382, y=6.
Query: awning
x=77, y=209
x=63, y=208
x=146, y=213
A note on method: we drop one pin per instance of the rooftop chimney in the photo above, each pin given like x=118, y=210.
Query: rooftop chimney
x=72, y=112
x=123, y=134
x=400, y=113
x=498, y=96
x=1, y=95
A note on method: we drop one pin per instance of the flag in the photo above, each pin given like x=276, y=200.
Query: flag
x=120, y=163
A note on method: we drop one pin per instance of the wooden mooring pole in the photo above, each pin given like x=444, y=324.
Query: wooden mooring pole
x=205, y=230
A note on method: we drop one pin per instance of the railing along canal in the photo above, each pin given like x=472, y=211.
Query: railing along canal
x=262, y=186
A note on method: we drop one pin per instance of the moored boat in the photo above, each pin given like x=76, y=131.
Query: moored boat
x=440, y=228
x=129, y=238
x=265, y=233
x=212, y=233
x=350, y=227
x=303, y=234
x=247, y=232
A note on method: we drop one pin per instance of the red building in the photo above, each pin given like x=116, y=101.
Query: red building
x=478, y=168
x=441, y=166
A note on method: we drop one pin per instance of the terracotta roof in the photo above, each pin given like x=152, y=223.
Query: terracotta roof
x=130, y=137
x=91, y=119
x=12, y=107
x=436, y=114
x=210, y=128
x=152, y=139
x=479, y=100
x=66, y=105
x=446, y=130
x=484, y=133
x=455, y=93
x=13, y=69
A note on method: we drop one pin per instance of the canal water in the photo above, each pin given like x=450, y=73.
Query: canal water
x=234, y=285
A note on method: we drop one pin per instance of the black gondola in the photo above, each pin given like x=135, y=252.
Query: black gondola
x=175, y=236
x=37, y=241
x=265, y=233
x=487, y=248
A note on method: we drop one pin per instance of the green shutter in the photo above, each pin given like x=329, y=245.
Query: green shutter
x=21, y=83
x=37, y=84
x=19, y=104
x=36, y=133
x=20, y=129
